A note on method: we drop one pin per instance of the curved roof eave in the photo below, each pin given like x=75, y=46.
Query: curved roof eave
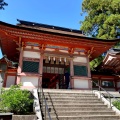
x=56, y=33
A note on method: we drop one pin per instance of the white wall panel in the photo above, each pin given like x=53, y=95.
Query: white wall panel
x=10, y=81
x=31, y=54
x=29, y=47
x=118, y=84
x=80, y=59
x=29, y=81
x=78, y=83
x=37, y=48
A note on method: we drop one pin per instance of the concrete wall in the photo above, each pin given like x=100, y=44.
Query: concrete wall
x=28, y=81
x=24, y=117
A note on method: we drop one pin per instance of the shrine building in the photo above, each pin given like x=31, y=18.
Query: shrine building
x=38, y=54
x=107, y=74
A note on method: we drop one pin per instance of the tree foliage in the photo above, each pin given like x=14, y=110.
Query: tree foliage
x=2, y=4
x=116, y=104
x=16, y=100
x=102, y=19
x=94, y=63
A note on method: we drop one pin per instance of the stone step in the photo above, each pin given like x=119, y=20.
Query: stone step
x=71, y=98
x=74, y=103
x=80, y=109
x=77, y=105
x=65, y=96
x=70, y=95
x=77, y=113
x=97, y=117
x=77, y=101
x=75, y=97
x=67, y=93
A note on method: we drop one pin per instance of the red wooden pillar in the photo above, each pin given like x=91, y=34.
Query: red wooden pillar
x=89, y=73
x=19, y=70
x=5, y=79
x=71, y=73
x=40, y=70
x=115, y=82
x=100, y=84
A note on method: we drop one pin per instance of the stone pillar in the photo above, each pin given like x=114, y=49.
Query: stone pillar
x=19, y=70
x=71, y=73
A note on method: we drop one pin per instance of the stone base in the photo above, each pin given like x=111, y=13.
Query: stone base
x=24, y=117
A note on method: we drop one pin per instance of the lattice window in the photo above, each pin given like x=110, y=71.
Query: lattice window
x=80, y=70
x=29, y=66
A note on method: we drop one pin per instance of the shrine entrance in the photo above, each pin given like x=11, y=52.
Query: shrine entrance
x=53, y=73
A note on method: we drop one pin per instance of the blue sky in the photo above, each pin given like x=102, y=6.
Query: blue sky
x=63, y=13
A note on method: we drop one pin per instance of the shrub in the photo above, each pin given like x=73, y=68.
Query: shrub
x=16, y=100
x=116, y=104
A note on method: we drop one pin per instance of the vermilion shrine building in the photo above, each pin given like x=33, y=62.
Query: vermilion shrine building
x=43, y=52
x=109, y=71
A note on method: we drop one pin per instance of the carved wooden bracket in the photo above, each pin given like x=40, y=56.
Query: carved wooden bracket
x=90, y=52
x=70, y=50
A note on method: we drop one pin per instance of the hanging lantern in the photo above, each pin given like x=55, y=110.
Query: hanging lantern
x=62, y=61
x=52, y=60
x=46, y=59
x=67, y=62
x=57, y=61
x=49, y=58
x=65, y=59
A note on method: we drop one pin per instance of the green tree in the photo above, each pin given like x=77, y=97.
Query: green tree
x=2, y=4
x=102, y=19
x=94, y=63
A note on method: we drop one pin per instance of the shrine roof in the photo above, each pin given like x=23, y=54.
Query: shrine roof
x=52, y=27
x=25, y=25
x=111, y=62
x=12, y=37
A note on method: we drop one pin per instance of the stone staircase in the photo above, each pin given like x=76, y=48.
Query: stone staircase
x=76, y=105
